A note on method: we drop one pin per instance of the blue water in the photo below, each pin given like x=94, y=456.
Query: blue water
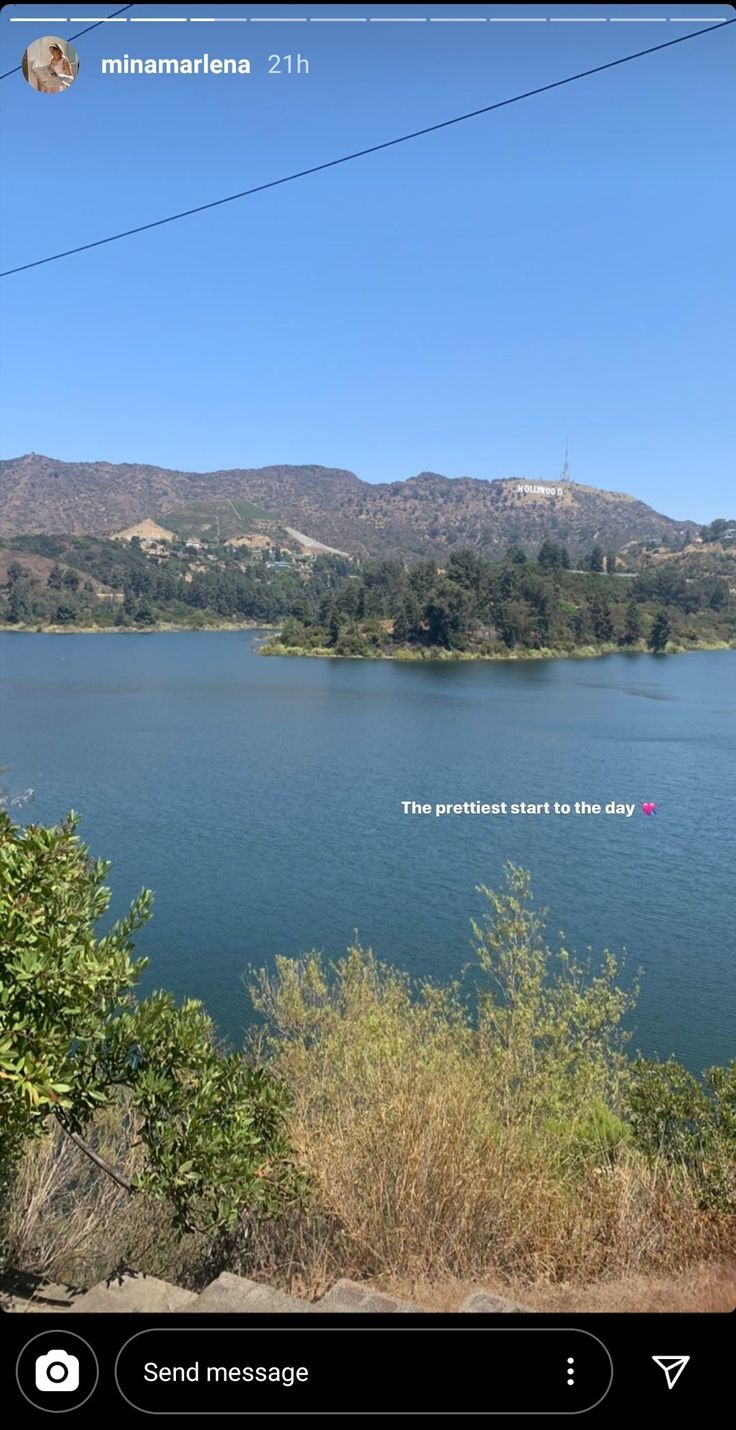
x=261, y=800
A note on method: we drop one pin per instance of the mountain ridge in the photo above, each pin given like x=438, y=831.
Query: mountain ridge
x=427, y=514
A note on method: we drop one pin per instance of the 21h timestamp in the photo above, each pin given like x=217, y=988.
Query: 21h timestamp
x=288, y=64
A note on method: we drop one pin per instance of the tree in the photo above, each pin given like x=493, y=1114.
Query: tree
x=717, y=594
x=422, y=579
x=548, y=555
x=633, y=625
x=610, y=562
x=465, y=567
x=73, y=1039
x=579, y=623
x=553, y=556
x=660, y=632
x=65, y=614
x=600, y=618
x=447, y=615
x=350, y=601
x=514, y=619
x=717, y=528
x=596, y=558
x=407, y=624
x=21, y=589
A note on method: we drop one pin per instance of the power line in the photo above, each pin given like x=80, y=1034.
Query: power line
x=361, y=153
x=76, y=37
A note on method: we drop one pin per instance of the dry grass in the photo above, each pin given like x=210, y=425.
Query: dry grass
x=708, y=1287
x=435, y=1162
x=58, y=1205
x=417, y=1195
x=395, y=1116
x=68, y=1221
x=627, y=1245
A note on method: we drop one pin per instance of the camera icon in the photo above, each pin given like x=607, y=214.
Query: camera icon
x=57, y=1370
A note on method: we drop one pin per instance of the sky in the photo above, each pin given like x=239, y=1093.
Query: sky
x=464, y=303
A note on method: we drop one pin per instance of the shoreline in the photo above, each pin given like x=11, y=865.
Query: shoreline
x=161, y=628
x=407, y=655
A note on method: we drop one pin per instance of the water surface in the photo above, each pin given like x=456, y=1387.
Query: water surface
x=260, y=798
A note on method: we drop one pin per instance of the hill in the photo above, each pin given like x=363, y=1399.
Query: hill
x=221, y=519
x=38, y=568
x=146, y=530
x=426, y=515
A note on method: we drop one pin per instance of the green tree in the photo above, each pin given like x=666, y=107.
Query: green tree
x=600, y=618
x=514, y=621
x=465, y=567
x=717, y=528
x=65, y=613
x=21, y=591
x=633, y=625
x=332, y=621
x=73, y=1040
x=660, y=632
x=422, y=579
x=447, y=615
x=596, y=558
x=553, y=557
x=407, y=624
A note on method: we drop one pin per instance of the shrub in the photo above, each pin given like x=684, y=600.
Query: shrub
x=72, y=1036
x=380, y=1127
x=693, y=1124
x=468, y=1134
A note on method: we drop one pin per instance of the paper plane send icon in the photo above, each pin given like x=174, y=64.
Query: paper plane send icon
x=673, y=1366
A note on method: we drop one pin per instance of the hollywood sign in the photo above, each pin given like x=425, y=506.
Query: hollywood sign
x=531, y=490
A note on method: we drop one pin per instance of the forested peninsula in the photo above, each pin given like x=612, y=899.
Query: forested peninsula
x=521, y=606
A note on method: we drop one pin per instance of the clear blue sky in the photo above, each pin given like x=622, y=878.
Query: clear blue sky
x=459, y=304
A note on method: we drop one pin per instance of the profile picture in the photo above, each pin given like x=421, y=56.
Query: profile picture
x=50, y=65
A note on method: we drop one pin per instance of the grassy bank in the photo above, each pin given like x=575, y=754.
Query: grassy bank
x=404, y=654
x=505, y=1139
x=72, y=629
x=409, y=654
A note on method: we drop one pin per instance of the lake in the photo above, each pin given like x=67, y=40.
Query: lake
x=260, y=798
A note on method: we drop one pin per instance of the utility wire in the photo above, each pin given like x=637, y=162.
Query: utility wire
x=76, y=37
x=361, y=153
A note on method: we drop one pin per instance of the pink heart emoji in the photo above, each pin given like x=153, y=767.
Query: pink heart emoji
x=649, y=808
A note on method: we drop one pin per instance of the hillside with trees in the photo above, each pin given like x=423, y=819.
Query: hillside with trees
x=426, y=515
x=331, y=605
